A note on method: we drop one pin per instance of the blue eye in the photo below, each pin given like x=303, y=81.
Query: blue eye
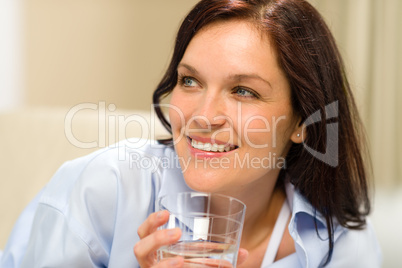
x=189, y=82
x=244, y=93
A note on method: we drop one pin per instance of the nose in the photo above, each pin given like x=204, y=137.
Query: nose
x=210, y=111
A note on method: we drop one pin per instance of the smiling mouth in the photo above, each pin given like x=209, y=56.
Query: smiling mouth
x=211, y=147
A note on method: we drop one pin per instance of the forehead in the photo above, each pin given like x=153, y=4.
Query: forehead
x=241, y=31
x=236, y=44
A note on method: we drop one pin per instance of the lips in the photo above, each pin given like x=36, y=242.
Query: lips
x=209, y=146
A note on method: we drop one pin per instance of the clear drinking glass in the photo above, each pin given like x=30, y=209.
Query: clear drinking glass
x=211, y=226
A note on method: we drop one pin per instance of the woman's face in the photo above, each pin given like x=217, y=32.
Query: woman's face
x=231, y=114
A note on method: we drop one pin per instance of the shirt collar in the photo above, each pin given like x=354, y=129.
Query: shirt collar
x=311, y=244
x=172, y=176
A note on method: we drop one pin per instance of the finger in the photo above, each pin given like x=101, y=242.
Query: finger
x=205, y=262
x=242, y=256
x=171, y=262
x=152, y=223
x=149, y=244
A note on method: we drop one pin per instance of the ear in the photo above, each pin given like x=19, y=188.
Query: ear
x=299, y=133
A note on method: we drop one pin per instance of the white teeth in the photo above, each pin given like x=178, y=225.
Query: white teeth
x=214, y=147
x=207, y=147
x=211, y=147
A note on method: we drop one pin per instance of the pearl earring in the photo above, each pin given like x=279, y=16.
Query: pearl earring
x=298, y=135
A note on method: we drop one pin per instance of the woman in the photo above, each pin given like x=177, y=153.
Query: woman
x=260, y=110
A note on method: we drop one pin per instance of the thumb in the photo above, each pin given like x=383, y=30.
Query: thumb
x=242, y=256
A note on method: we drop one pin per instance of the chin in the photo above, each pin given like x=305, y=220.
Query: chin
x=201, y=184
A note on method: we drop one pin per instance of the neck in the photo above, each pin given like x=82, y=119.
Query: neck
x=263, y=202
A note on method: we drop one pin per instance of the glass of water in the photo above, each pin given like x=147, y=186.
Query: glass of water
x=211, y=226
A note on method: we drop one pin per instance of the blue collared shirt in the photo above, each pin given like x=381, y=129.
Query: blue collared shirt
x=89, y=213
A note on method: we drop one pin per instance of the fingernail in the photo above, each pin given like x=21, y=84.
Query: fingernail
x=172, y=232
x=174, y=262
x=159, y=215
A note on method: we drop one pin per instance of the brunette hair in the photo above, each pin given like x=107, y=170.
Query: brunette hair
x=308, y=55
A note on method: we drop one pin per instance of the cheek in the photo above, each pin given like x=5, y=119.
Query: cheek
x=256, y=130
x=176, y=111
x=266, y=132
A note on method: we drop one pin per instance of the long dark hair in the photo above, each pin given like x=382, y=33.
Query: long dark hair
x=308, y=55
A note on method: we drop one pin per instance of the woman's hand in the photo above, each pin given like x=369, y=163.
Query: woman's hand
x=152, y=239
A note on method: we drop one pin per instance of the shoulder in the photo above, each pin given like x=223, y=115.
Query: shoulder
x=91, y=201
x=357, y=248
x=352, y=248
x=107, y=170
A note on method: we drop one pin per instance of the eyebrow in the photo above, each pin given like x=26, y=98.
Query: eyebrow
x=188, y=67
x=237, y=77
